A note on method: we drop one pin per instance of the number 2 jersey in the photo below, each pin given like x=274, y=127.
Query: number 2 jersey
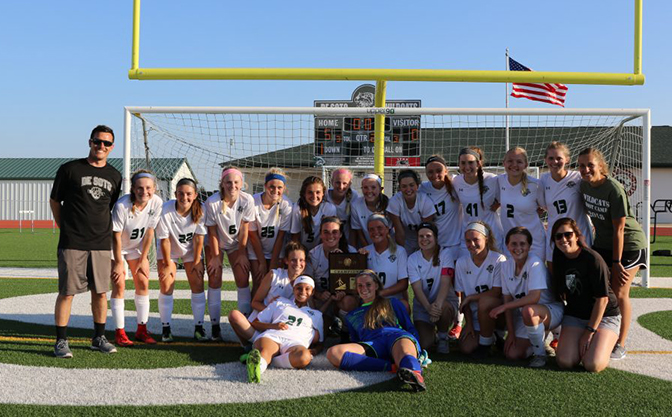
x=303, y=322
x=268, y=223
x=134, y=224
x=228, y=221
x=181, y=230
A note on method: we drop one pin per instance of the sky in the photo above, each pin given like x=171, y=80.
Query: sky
x=64, y=64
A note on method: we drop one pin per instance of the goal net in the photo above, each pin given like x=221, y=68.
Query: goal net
x=198, y=142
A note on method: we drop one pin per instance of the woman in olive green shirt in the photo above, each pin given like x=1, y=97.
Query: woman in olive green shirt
x=618, y=236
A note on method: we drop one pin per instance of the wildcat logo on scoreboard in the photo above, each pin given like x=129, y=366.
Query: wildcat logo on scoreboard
x=347, y=140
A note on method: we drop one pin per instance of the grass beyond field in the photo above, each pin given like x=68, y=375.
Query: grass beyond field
x=456, y=385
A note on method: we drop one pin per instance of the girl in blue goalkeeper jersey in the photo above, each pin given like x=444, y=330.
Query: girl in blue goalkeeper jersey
x=382, y=334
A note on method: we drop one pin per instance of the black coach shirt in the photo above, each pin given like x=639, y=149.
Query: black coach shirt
x=581, y=280
x=88, y=194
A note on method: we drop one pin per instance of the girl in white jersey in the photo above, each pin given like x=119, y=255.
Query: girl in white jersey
x=134, y=218
x=276, y=283
x=529, y=305
x=477, y=277
x=308, y=212
x=477, y=191
x=387, y=259
x=562, y=194
x=287, y=330
x=408, y=209
x=227, y=214
x=372, y=201
x=441, y=192
x=273, y=218
x=341, y=195
x=180, y=235
x=431, y=271
x=521, y=196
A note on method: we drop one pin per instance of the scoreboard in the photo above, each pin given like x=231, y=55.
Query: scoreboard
x=346, y=140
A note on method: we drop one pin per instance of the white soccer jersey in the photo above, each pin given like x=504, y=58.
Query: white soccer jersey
x=563, y=199
x=521, y=210
x=420, y=269
x=411, y=217
x=318, y=266
x=472, y=209
x=533, y=276
x=341, y=210
x=267, y=224
x=448, y=214
x=228, y=222
x=303, y=322
x=280, y=287
x=134, y=225
x=180, y=230
x=359, y=215
x=312, y=239
x=471, y=279
x=390, y=267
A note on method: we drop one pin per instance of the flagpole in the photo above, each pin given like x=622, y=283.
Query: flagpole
x=506, y=138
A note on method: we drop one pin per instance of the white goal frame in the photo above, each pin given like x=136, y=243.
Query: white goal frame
x=645, y=114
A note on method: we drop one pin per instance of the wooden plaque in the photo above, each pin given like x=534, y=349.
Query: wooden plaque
x=343, y=269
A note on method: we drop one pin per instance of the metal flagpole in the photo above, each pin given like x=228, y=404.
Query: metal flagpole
x=506, y=138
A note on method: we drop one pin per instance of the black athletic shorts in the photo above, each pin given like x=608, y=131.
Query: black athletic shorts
x=629, y=259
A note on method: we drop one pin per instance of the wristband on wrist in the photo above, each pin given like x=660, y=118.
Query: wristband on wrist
x=616, y=261
x=590, y=329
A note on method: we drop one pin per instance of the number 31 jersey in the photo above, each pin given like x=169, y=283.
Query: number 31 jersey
x=134, y=224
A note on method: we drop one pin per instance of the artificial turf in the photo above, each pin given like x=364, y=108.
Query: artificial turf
x=659, y=322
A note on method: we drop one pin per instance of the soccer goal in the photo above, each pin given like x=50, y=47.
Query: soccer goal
x=198, y=141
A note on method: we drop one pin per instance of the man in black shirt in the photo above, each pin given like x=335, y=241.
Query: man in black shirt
x=82, y=197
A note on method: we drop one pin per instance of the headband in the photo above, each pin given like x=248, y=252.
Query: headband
x=304, y=279
x=435, y=158
x=373, y=177
x=408, y=174
x=469, y=151
x=378, y=216
x=142, y=175
x=232, y=171
x=430, y=226
x=369, y=273
x=478, y=227
x=183, y=180
x=271, y=176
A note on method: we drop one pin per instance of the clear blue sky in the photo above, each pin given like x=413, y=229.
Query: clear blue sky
x=64, y=63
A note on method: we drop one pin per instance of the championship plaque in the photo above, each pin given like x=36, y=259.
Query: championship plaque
x=343, y=269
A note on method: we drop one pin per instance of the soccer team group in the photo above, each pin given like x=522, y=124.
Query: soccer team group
x=481, y=263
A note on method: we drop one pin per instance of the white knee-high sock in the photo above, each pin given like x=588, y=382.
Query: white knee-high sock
x=214, y=304
x=142, y=308
x=198, y=307
x=536, y=335
x=556, y=332
x=117, y=307
x=282, y=361
x=460, y=319
x=245, y=300
x=166, y=309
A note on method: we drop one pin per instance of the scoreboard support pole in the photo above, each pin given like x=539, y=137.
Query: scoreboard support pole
x=379, y=136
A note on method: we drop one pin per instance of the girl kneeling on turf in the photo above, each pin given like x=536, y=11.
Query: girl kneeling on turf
x=134, y=218
x=276, y=284
x=529, y=305
x=228, y=213
x=287, y=329
x=477, y=277
x=383, y=337
x=180, y=235
x=592, y=319
x=431, y=271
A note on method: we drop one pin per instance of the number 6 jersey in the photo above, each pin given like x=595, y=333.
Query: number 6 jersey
x=181, y=231
x=228, y=221
x=134, y=224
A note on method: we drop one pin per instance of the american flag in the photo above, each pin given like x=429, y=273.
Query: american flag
x=547, y=93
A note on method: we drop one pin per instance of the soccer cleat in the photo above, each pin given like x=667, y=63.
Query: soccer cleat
x=618, y=353
x=537, y=362
x=254, y=366
x=62, y=349
x=167, y=335
x=554, y=344
x=442, y=346
x=454, y=333
x=412, y=378
x=142, y=335
x=199, y=334
x=243, y=358
x=121, y=339
x=423, y=358
x=101, y=344
x=216, y=333
x=481, y=352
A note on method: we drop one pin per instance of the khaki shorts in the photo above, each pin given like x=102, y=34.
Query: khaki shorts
x=81, y=270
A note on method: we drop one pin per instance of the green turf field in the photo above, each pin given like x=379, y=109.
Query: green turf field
x=659, y=322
